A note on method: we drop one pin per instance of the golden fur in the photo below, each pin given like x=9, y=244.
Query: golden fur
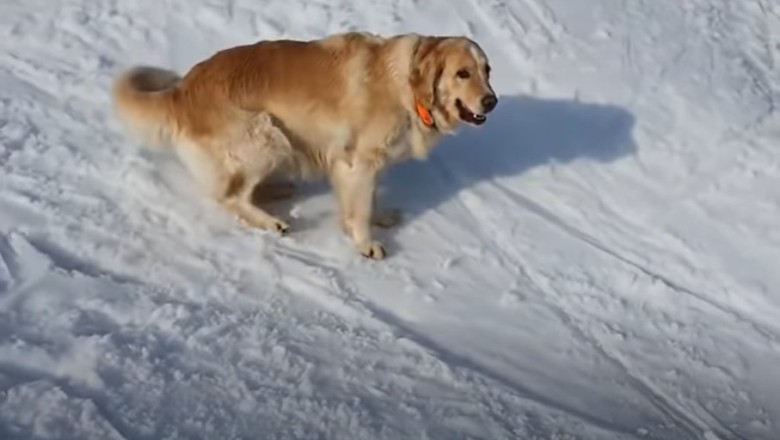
x=344, y=107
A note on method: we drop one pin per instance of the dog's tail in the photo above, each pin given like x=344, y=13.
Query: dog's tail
x=143, y=98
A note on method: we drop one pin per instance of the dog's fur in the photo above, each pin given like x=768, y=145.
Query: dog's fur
x=344, y=107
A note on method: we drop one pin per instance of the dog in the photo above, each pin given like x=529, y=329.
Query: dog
x=343, y=108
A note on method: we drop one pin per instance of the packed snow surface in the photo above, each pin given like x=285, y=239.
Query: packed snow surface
x=599, y=261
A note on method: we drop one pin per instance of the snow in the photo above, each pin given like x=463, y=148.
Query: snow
x=596, y=262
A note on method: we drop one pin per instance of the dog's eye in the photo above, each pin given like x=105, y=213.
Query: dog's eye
x=463, y=74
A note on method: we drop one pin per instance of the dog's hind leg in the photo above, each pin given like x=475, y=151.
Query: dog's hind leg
x=238, y=200
x=254, y=156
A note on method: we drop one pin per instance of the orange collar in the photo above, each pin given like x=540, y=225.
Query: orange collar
x=425, y=115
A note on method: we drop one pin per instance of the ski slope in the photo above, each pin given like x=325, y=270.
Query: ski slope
x=599, y=261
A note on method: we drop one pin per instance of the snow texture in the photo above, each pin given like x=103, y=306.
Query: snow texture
x=599, y=261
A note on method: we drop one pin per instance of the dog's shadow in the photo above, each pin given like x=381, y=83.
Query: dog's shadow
x=522, y=133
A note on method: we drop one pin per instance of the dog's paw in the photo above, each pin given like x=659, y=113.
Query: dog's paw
x=280, y=227
x=373, y=250
x=388, y=219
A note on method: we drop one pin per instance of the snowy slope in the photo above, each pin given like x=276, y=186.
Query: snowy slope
x=596, y=262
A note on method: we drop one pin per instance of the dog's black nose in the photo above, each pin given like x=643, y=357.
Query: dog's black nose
x=489, y=102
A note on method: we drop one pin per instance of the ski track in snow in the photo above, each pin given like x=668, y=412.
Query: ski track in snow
x=596, y=262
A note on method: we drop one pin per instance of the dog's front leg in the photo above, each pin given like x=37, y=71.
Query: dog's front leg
x=355, y=185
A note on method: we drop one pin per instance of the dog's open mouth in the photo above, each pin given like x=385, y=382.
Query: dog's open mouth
x=469, y=116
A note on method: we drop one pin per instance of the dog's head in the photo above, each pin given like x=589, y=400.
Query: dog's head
x=450, y=76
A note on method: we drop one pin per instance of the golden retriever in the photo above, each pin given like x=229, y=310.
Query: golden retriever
x=344, y=108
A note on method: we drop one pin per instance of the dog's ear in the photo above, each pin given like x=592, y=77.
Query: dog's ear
x=427, y=66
